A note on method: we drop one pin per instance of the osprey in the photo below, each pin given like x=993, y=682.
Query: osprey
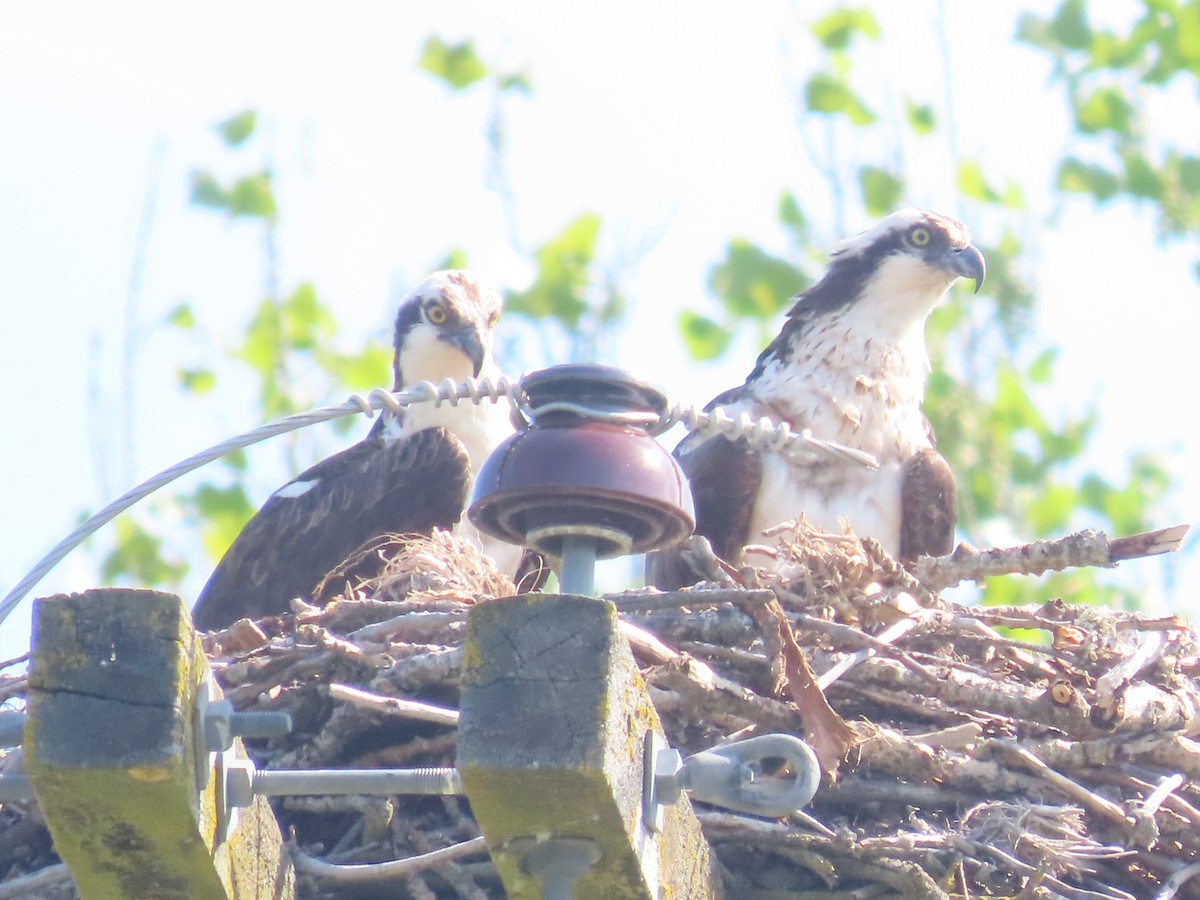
x=850, y=364
x=412, y=473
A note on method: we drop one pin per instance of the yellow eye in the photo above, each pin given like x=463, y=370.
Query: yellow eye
x=920, y=236
x=437, y=315
x=493, y=319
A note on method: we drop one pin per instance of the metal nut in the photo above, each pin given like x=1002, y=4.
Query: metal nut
x=239, y=783
x=218, y=730
x=668, y=786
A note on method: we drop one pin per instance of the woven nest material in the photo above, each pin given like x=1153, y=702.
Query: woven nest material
x=967, y=751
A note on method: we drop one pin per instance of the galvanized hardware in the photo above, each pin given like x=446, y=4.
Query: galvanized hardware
x=660, y=779
x=557, y=863
x=244, y=781
x=216, y=724
x=731, y=776
x=222, y=723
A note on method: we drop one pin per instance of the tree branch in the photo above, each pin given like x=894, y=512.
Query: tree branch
x=1084, y=548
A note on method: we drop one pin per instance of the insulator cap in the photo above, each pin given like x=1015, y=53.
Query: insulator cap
x=586, y=466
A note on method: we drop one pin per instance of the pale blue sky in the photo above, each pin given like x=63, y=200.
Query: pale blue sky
x=670, y=120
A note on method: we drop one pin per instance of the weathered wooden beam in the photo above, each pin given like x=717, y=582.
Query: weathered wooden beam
x=554, y=718
x=112, y=751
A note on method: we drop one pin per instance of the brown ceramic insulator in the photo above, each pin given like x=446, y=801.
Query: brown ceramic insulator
x=571, y=474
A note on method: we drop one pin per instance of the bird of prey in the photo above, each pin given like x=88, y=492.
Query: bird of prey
x=850, y=364
x=412, y=473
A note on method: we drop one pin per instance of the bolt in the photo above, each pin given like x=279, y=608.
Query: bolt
x=243, y=782
x=558, y=862
x=222, y=723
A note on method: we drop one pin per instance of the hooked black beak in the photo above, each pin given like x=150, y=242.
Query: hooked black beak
x=467, y=339
x=967, y=262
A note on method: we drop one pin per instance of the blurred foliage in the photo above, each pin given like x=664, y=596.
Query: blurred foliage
x=287, y=345
x=455, y=64
x=560, y=289
x=752, y=284
x=573, y=297
x=1020, y=461
x=139, y=553
x=1112, y=81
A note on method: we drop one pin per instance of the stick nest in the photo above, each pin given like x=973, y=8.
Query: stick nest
x=1033, y=751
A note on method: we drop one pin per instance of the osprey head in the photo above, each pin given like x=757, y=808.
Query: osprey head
x=444, y=329
x=913, y=253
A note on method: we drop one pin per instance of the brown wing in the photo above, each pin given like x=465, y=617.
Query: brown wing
x=409, y=485
x=927, y=507
x=724, y=476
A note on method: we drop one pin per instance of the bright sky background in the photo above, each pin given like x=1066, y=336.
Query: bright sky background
x=671, y=120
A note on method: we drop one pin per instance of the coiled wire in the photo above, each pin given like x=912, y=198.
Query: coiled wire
x=762, y=432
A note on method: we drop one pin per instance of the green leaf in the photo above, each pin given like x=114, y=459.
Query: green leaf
x=212, y=501
x=361, y=371
x=753, y=284
x=181, y=316
x=1105, y=110
x=972, y=184
x=222, y=512
x=137, y=556
x=792, y=216
x=235, y=460
x=207, y=191
x=262, y=346
x=1013, y=197
x=370, y=368
x=704, y=338
x=560, y=290
x=1141, y=178
x=1041, y=371
x=237, y=129
x=825, y=93
x=306, y=323
x=1050, y=509
x=1035, y=30
x=1188, y=38
x=251, y=196
x=196, y=381
x=920, y=117
x=1076, y=176
x=455, y=259
x=455, y=64
x=881, y=190
x=1189, y=173
x=1069, y=27
x=836, y=30
x=517, y=82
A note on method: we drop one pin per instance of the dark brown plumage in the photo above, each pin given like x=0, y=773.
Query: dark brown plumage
x=417, y=484
x=927, y=507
